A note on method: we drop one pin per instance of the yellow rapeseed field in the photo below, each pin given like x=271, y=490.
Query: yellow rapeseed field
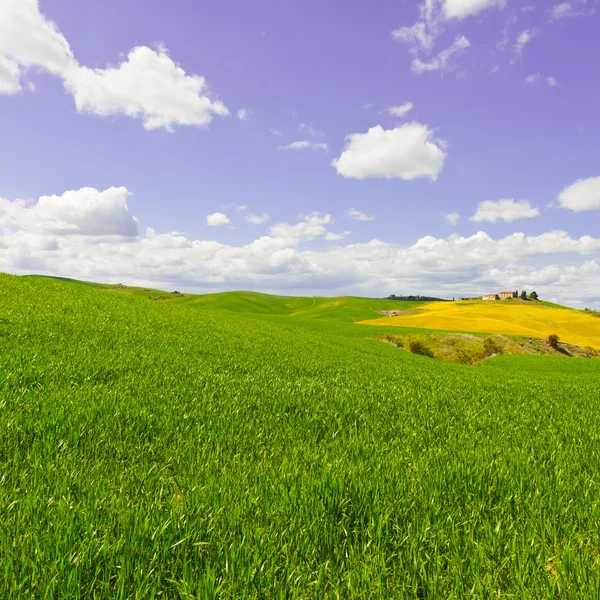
x=504, y=317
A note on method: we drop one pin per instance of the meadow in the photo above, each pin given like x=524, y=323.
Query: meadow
x=202, y=449
x=512, y=317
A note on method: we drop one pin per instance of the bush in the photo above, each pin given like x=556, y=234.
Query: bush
x=491, y=347
x=590, y=352
x=418, y=346
x=553, y=340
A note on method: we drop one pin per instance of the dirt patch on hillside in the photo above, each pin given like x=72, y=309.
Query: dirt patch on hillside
x=399, y=313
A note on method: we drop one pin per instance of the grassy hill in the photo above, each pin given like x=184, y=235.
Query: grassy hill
x=513, y=317
x=219, y=448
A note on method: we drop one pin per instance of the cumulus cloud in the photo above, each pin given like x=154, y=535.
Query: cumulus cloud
x=286, y=259
x=218, y=220
x=407, y=152
x=30, y=39
x=275, y=131
x=258, y=219
x=304, y=145
x=84, y=212
x=507, y=210
x=148, y=85
x=358, y=215
x=551, y=81
x=10, y=75
x=582, y=195
x=400, y=111
x=453, y=218
x=243, y=114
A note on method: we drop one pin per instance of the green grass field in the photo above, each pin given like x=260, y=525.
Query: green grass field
x=245, y=446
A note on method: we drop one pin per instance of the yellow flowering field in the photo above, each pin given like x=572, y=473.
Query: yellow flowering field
x=511, y=318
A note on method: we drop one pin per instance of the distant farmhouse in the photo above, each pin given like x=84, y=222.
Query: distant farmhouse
x=501, y=296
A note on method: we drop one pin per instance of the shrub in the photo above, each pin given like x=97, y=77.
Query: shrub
x=553, y=340
x=418, y=346
x=491, y=347
x=590, y=352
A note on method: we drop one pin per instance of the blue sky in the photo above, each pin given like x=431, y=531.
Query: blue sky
x=357, y=130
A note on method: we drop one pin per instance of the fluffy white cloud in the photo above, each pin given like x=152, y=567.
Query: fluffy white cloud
x=84, y=212
x=304, y=145
x=258, y=219
x=453, y=218
x=218, y=220
x=551, y=81
x=443, y=60
x=285, y=260
x=406, y=152
x=30, y=39
x=357, y=215
x=10, y=75
x=582, y=195
x=148, y=84
x=243, y=114
x=460, y=9
x=507, y=210
x=275, y=131
x=400, y=111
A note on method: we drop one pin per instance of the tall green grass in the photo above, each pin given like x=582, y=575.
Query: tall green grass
x=158, y=449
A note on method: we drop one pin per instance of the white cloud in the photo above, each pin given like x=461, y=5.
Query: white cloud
x=358, y=215
x=238, y=207
x=243, y=114
x=443, y=61
x=275, y=131
x=453, y=218
x=304, y=145
x=566, y=9
x=258, y=219
x=9, y=76
x=406, y=152
x=31, y=40
x=83, y=212
x=148, y=84
x=400, y=111
x=308, y=129
x=582, y=195
x=507, y=210
x=283, y=259
x=551, y=81
x=218, y=220
x=434, y=16
x=531, y=79
x=461, y=9
x=558, y=11
x=334, y=237
x=524, y=37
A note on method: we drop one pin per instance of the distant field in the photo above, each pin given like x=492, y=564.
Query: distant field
x=510, y=318
x=243, y=448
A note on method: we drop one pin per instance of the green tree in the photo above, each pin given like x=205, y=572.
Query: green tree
x=523, y=295
x=553, y=340
x=534, y=295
